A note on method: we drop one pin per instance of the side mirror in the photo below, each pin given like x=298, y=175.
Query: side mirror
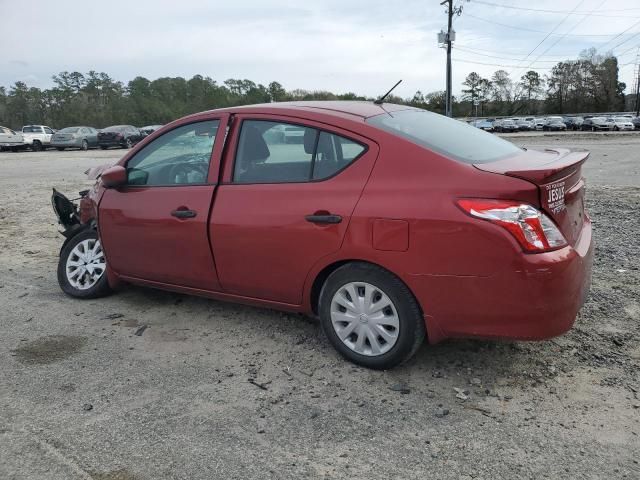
x=113, y=177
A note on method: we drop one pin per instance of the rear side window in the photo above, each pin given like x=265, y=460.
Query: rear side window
x=446, y=136
x=275, y=152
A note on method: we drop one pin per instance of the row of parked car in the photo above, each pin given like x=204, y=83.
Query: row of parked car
x=556, y=123
x=41, y=137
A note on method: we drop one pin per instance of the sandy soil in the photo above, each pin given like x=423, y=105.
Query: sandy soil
x=216, y=390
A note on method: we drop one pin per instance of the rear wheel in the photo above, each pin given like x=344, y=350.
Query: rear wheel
x=36, y=146
x=370, y=316
x=85, y=145
x=60, y=149
x=82, y=267
x=103, y=147
x=128, y=143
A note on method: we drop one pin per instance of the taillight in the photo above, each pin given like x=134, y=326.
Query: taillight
x=533, y=230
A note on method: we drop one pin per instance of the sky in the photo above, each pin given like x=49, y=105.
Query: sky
x=337, y=45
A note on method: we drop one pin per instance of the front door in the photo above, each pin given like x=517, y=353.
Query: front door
x=286, y=202
x=155, y=227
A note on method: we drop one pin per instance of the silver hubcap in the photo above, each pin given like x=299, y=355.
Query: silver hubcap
x=365, y=319
x=85, y=264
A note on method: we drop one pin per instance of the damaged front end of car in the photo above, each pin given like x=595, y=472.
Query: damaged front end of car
x=76, y=217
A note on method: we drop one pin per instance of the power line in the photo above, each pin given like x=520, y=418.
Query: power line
x=516, y=66
x=517, y=54
x=548, y=35
x=536, y=31
x=491, y=4
x=620, y=34
x=501, y=58
x=567, y=33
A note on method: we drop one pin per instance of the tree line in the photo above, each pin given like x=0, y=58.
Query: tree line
x=588, y=84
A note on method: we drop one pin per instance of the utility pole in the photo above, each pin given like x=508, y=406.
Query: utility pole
x=447, y=40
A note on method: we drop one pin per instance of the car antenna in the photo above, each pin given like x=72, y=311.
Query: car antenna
x=381, y=99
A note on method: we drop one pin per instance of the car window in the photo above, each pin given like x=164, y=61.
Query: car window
x=334, y=153
x=446, y=136
x=180, y=156
x=276, y=152
x=47, y=130
x=273, y=152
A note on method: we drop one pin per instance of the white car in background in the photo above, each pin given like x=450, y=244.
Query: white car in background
x=10, y=140
x=540, y=122
x=621, y=123
x=37, y=137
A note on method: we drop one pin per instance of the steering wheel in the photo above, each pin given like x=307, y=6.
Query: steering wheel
x=180, y=172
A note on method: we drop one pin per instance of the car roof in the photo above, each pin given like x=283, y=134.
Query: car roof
x=338, y=108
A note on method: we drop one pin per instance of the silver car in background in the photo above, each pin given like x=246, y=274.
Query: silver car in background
x=621, y=123
x=83, y=138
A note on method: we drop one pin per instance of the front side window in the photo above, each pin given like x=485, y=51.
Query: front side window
x=180, y=156
x=446, y=136
x=276, y=152
x=47, y=130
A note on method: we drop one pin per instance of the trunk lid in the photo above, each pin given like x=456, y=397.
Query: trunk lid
x=558, y=175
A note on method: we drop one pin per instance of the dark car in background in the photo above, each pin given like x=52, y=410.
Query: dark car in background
x=636, y=122
x=83, y=138
x=573, y=123
x=123, y=136
x=554, y=124
x=596, y=123
x=505, y=126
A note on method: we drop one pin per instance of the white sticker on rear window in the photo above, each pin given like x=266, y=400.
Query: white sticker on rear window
x=555, y=197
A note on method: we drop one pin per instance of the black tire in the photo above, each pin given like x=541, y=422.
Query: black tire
x=60, y=149
x=103, y=147
x=411, y=322
x=84, y=146
x=615, y=128
x=128, y=143
x=36, y=146
x=99, y=289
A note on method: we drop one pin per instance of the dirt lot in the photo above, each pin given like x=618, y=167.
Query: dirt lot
x=83, y=397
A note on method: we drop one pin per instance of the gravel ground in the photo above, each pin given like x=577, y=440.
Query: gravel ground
x=216, y=390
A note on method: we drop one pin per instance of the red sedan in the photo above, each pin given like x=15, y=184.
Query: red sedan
x=390, y=223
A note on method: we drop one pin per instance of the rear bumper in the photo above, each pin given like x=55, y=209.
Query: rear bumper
x=535, y=299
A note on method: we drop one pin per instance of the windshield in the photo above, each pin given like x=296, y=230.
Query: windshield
x=69, y=130
x=446, y=136
x=115, y=128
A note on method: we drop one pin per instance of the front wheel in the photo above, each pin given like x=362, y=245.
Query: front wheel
x=82, y=267
x=84, y=146
x=128, y=143
x=370, y=316
x=36, y=146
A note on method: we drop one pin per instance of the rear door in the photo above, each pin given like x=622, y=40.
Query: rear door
x=155, y=227
x=289, y=191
